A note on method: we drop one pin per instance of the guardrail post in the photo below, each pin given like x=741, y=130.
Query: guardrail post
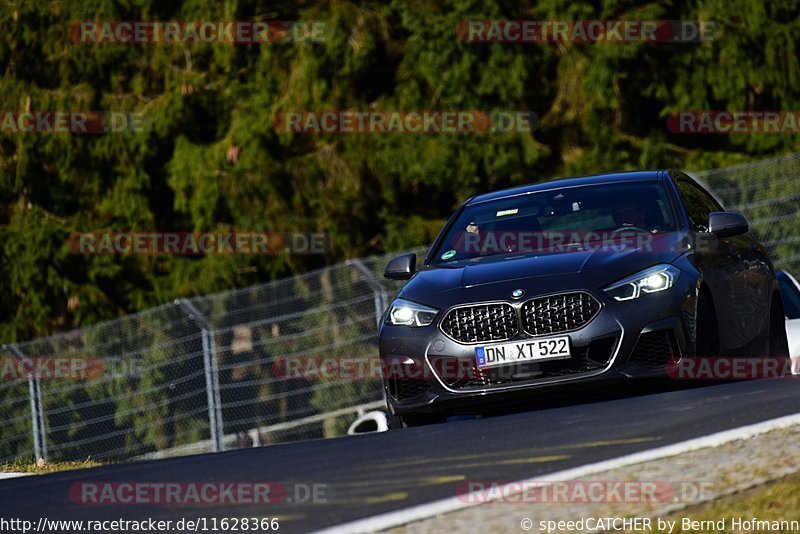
x=35, y=392
x=381, y=297
x=212, y=373
x=379, y=293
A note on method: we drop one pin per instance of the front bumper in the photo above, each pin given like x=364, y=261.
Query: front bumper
x=426, y=371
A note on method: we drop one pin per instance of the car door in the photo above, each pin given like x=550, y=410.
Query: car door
x=752, y=287
x=722, y=266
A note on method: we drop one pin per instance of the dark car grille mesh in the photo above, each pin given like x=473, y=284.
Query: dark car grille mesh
x=654, y=350
x=403, y=388
x=405, y=382
x=558, y=313
x=482, y=322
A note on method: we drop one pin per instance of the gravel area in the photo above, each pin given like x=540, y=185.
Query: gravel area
x=656, y=488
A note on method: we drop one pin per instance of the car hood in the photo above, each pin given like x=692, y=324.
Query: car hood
x=494, y=277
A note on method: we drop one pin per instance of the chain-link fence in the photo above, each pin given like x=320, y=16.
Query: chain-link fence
x=210, y=373
x=201, y=374
x=767, y=194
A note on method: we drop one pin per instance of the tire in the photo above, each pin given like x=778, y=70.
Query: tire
x=778, y=342
x=415, y=419
x=707, y=340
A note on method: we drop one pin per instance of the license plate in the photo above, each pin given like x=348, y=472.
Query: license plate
x=550, y=348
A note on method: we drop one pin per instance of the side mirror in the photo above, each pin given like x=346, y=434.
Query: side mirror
x=401, y=268
x=727, y=223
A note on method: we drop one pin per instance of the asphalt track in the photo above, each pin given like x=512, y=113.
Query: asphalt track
x=377, y=473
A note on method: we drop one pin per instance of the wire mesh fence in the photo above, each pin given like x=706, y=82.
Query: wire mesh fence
x=215, y=372
x=201, y=374
x=767, y=193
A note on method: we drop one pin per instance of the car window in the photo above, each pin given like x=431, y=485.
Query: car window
x=698, y=205
x=791, y=296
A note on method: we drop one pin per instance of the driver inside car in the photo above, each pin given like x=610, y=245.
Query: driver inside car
x=629, y=213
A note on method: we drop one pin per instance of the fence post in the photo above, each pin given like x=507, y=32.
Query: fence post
x=381, y=297
x=212, y=373
x=35, y=392
x=378, y=291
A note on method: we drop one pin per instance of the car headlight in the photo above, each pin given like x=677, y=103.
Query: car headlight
x=404, y=312
x=652, y=280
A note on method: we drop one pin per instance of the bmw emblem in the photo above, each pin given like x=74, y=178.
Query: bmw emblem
x=517, y=293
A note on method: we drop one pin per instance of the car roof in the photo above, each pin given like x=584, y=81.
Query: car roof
x=615, y=177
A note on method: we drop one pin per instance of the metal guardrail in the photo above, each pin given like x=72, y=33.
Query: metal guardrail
x=255, y=434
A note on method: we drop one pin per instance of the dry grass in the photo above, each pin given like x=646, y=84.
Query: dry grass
x=775, y=501
x=40, y=467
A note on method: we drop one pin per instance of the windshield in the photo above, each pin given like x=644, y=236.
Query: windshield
x=533, y=221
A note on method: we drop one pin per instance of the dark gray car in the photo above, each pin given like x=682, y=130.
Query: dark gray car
x=617, y=275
